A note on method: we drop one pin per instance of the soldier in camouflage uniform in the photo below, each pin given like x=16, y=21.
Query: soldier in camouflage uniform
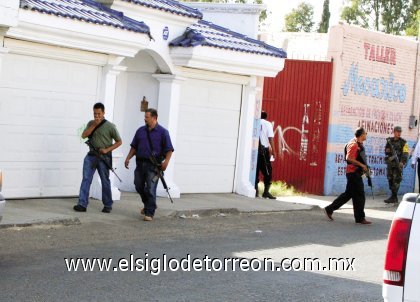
x=395, y=162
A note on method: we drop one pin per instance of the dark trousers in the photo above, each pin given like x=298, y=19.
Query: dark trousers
x=264, y=166
x=355, y=190
x=146, y=180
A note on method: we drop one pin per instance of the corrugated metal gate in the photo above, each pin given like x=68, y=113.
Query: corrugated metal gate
x=298, y=102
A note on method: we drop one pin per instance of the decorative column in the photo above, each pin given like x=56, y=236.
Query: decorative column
x=246, y=162
x=110, y=74
x=3, y=52
x=168, y=110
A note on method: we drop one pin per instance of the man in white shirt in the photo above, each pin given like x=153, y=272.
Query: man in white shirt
x=266, y=149
x=415, y=157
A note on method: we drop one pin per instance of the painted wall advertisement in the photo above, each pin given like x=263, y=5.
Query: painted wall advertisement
x=372, y=88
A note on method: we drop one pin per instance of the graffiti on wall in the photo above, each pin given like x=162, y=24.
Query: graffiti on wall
x=308, y=141
x=79, y=132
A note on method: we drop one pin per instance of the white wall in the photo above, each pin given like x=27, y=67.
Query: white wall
x=242, y=18
x=9, y=13
x=300, y=46
x=132, y=85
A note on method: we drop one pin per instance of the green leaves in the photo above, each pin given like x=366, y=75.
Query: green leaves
x=390, y=16
x=325, y=19
x=300, y=19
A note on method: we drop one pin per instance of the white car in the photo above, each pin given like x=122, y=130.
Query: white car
x=401, y=272
x=2, y=200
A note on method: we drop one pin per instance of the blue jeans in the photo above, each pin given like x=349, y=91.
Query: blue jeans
x=90, y=165
x=146, y=181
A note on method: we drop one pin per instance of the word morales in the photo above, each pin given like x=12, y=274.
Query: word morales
x=383, y=54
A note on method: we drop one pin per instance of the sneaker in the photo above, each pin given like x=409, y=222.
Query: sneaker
x=365, y=222
x=329, y=216
x=268, y=195
x=106, y=210
x=148, y=218
x=79, y=208
x=142, y=211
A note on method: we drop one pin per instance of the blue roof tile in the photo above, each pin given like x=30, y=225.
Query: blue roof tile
x=205, y=33
x=170, y=6
x=87, y=11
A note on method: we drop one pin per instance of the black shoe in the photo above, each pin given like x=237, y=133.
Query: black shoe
x=79, y=208
x=391, y=200
x=364, y=222
x=268, y=195
x=106, y=210
x=329, y=216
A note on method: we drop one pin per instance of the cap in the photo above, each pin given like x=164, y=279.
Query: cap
x=397, y=128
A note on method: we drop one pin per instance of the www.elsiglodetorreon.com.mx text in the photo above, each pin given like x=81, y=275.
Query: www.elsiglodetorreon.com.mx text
x=164, y=263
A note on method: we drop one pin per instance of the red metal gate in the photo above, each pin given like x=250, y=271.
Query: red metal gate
x=297, y=101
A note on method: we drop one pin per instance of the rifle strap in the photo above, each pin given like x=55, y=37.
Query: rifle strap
x=150, y=143
x=97, y=127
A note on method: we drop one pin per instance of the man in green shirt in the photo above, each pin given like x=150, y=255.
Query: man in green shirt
x=101, y=134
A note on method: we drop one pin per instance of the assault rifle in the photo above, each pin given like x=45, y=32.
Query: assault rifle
x=369, y=179
x=159, y=174
x=102, y=157
x=266, y=161
x=368, y=172
x=394, y=154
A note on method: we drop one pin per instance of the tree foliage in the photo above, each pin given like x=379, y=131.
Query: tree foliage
x=300, y=19
x=389, y=16
x=354, y=14
x=412, y=26
x=325, y=19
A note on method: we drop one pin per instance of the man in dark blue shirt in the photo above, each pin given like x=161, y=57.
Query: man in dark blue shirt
x=149, y=140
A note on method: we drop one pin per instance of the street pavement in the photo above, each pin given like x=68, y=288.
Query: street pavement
x=37, y=235
x=33, y=259
x=53, y=211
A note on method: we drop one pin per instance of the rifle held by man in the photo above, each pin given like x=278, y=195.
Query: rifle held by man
x=369, y=179
x=394, y=154
x=159, y=173
x=102, y=157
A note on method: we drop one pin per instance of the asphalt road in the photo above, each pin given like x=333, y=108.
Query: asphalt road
x=32, y=265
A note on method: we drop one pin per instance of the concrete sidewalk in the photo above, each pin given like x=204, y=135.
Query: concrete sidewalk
x=51, y=211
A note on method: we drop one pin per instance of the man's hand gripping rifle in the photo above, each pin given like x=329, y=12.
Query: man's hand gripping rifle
x=102, y=157
x=159, y=173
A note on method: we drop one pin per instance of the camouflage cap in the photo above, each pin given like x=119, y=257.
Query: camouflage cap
x=397, y=128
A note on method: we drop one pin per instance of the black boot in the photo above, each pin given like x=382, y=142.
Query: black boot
x=393, y=198
x=267, y=194
x=389, y=200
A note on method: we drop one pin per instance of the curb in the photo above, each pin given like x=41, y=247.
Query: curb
x=50, y=221
x=230, y=211
x=205, y=213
